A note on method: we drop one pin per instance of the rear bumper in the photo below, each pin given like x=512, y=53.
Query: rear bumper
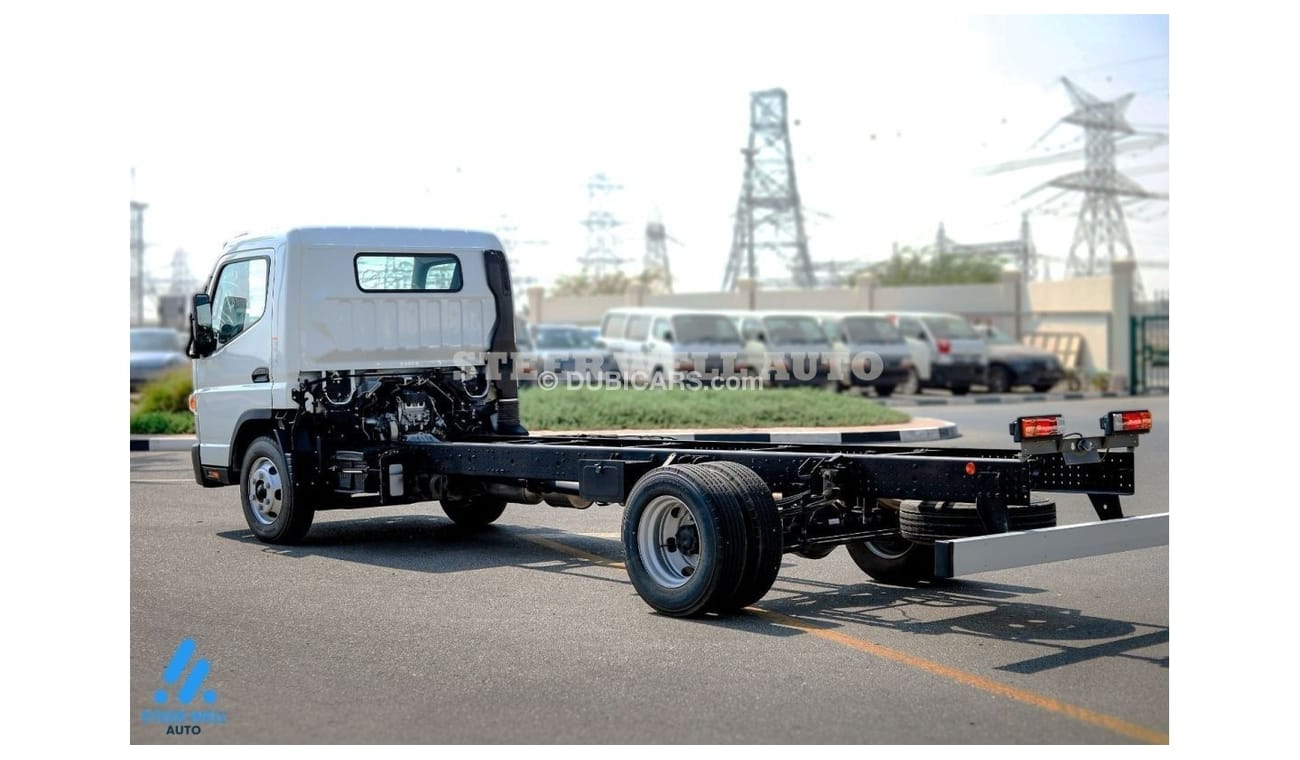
x=980, y=554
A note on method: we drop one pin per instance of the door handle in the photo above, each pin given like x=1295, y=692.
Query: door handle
x=261, y=375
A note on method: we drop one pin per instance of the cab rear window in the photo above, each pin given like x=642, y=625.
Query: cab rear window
x=408, y=273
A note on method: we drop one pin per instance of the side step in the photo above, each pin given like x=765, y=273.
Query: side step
x=979, y=554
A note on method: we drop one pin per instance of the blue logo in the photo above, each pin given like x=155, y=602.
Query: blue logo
x=187, y=686
x=192, y=683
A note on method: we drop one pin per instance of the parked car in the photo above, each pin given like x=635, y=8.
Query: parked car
x=569, y=348
x=853, y=335
x=650, y=341
x=526, y=359
x=957, y=355
x=1012, y=363
x=794, y=345
x=155, y=351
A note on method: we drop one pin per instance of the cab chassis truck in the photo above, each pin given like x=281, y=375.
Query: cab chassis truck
x=339, y=368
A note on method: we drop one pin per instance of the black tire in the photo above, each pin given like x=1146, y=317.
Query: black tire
x=717, y=560
x=960, y=390
x=1044, y=388
x=885, y=391
x=273, y=508
x=473, y=511
x=764, y=536
x=895, y=561
x=999, y=379
x=930, y=521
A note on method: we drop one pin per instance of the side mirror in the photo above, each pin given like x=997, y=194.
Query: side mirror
x=600, y=343
x=668, y=337
x=203, y=341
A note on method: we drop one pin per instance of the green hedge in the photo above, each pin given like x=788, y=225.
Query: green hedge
x=169, y=393
x=162, y=423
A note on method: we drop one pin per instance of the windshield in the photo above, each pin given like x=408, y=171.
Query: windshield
x=564, y=337
x=871, y=330
x=155, y=341
x=794, y=330
x=950, y=327
x=705, y=328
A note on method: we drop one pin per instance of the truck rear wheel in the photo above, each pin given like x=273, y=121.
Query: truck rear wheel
x=764, y=536
x=272, y=507
x=894, y=560
x=474, y=511
x=685, y=539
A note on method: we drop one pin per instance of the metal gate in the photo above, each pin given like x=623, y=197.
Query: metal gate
x=1149, y=362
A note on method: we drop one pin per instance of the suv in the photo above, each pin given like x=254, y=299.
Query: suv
x=1012, y=363
x=958, y=356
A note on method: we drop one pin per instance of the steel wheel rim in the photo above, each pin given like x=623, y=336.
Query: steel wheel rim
x=889, y=548
x=264, y=491
x=665, y=523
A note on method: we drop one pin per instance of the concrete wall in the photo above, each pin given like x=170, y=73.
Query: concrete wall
x=1098, y=308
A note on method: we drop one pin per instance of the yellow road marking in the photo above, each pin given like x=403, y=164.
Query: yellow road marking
x=1041, y=701
x=566, y=549
x=1007, y=691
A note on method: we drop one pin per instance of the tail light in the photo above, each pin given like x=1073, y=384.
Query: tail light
x=1030, y=428
x=1138, y=421
x=945, y=345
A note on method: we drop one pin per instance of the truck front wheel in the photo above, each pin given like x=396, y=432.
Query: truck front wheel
x=272, y=508
x=474, y=511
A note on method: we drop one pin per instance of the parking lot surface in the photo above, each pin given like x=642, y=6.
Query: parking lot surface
x=392, y=625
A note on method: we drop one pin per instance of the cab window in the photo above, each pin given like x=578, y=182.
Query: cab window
x=239, y=298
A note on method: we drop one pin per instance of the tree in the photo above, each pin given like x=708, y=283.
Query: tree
x=614, y=283
x=909, y=266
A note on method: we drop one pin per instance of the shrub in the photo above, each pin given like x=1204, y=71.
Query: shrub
x=169, y=393
x=162, y=423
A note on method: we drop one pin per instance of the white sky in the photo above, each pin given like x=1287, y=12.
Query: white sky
x=485, y=118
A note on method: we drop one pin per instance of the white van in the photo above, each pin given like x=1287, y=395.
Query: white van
x=650, y=341
x=865, y=338
x=795, y=348
x=958, y=356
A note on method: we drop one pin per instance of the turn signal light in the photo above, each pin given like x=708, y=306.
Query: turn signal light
x=1027, y=428
x=1127, y=422
x=194, y=404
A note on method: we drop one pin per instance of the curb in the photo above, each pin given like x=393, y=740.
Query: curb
x=942, y=430
x=163, y=443
x=1004, y=398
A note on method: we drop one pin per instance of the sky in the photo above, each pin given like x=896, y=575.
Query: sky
x=496, y=117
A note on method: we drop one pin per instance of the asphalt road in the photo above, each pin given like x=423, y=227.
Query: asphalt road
x=394, y=626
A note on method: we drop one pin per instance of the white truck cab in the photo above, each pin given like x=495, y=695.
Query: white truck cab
x=340, y=304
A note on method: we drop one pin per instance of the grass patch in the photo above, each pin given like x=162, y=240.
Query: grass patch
x=169, y=393
x=614, y=409
x=161, y=423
